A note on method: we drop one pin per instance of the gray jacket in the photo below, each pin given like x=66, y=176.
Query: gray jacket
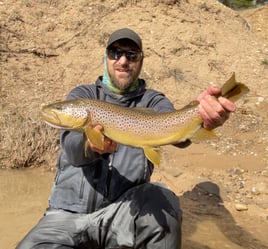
x=85, y=184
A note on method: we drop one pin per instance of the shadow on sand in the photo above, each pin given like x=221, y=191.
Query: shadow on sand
x=204, y=211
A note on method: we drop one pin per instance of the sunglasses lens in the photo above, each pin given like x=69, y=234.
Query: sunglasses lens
x=131, y=55
x=114, y=54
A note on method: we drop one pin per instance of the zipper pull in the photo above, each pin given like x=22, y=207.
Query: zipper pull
x=110, y=165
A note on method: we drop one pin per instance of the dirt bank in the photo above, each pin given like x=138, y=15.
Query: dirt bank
x=48, y=47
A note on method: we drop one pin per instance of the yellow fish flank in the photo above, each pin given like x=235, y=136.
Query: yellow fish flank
x=135, y=127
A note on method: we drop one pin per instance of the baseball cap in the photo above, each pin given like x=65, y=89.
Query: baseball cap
x=125, y=33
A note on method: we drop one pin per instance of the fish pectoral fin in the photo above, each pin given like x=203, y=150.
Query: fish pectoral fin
x=152, y=154
x=95, y=137
x=191, y=105
x=203, y=134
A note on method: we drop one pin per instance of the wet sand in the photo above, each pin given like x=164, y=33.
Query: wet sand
x=208, y=222
x=23, y=200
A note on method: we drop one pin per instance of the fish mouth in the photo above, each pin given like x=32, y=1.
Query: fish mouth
x=51, y=118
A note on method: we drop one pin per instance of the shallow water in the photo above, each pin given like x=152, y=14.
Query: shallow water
x=24, y=195
x=23, y=200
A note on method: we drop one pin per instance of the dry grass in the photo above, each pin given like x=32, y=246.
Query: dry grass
x=25, y=142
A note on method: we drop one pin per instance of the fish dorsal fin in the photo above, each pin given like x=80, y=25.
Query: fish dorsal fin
x=191, y=105
x=233, y=90
x=145, y=110
x=203, y=134
x=152, y=154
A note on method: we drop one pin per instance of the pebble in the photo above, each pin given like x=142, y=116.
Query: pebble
x=241, y=207
x=265, y=172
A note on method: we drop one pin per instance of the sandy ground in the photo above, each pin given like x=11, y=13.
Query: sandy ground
x=48, y=47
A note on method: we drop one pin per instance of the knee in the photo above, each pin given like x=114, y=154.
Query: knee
x=157, y=200
x=159, y=218
x=159, y=207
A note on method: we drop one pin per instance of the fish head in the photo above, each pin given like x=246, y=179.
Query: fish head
x=69, y=115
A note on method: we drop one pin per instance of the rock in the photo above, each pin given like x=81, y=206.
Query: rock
x=241, y=207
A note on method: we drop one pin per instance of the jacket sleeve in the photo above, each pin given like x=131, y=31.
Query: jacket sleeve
x=73, y=142
x=157, y=100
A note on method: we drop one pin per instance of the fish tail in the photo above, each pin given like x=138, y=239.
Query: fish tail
x=233, y=90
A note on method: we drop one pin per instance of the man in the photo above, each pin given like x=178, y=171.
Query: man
x=104, y=199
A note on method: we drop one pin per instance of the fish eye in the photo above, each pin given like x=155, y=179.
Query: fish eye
x=58, y=107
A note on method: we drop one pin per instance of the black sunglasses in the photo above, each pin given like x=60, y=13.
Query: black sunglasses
x=116, y=53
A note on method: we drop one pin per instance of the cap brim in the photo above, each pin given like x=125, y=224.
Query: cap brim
x=125, y=33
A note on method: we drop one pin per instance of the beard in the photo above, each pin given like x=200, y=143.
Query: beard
x=123, y=77
x=123, y=84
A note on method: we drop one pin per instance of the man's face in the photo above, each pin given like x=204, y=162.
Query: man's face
x=124, y=63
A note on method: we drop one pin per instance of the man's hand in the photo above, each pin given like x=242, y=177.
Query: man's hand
x=213, y=111
x=109, y=145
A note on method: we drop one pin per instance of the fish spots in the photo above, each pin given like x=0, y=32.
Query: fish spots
x=75, y=111
x=130, y=121
x=185, y=116
x=129, y=126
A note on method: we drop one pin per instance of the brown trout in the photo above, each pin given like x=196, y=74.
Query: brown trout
x=135, y=127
